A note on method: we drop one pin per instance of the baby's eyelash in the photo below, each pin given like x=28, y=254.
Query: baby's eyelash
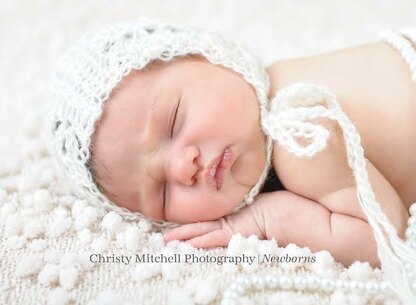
x=174, y=118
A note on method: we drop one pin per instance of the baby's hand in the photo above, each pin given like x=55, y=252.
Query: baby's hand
x=217, y=233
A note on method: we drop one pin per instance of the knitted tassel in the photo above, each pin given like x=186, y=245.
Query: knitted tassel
x=287, y=120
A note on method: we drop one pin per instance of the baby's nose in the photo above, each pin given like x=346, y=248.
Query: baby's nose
x=183, y=165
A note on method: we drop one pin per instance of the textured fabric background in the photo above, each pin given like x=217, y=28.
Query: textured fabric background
x=32, y=36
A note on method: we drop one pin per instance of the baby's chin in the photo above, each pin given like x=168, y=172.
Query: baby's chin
x=205, y=212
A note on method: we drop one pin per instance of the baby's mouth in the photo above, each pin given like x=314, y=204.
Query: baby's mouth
x=217, y=169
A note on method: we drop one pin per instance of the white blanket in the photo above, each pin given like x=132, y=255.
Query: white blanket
x=55, y=249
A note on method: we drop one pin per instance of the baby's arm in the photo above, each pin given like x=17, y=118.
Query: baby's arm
x=326, y=206
x=288, y=218
x=291, y=218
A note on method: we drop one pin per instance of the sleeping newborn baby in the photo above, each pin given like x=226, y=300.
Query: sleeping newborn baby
x=175, y=124
x=181, y=141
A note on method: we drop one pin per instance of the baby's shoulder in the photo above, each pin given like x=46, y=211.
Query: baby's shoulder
x=314, y=177
x=326, y=178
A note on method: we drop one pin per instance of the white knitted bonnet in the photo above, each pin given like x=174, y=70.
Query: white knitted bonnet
x=89, y=71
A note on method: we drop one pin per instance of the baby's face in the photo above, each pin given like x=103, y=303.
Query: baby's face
x=180, y=141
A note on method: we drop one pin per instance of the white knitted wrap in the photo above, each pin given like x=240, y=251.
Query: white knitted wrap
x=90, y=70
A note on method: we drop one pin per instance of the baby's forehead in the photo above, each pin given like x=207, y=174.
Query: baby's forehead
x=147, y=81
x=139, y=81
x=120, y=119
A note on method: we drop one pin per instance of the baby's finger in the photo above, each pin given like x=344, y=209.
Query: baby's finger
x=191, y=230
x=217, y=238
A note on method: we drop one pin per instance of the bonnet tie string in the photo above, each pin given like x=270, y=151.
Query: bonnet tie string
x=288, y=120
